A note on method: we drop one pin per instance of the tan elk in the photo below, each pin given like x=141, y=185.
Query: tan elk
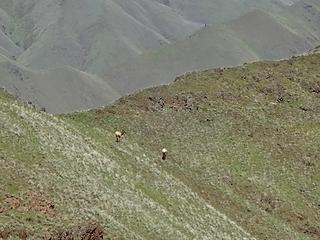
x=164, y=153
x=119, y=134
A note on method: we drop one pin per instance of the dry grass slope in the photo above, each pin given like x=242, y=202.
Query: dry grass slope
x=242, y=162
x=119, y=186
x=243, y=138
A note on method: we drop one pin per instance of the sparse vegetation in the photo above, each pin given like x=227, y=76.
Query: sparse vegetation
x=243, y=160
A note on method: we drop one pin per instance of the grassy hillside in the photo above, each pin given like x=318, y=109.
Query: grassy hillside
x=242, y=162
x=56, y=174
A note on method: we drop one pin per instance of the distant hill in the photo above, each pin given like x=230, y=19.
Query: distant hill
x=8, y=47
x=220, y=11
x=93, y=35
x=57, y=90
x=133, y=44
x=307, y=13
x=97, y=35
x=65, y=39
x=242, y=162
x=254, y=36
x=267, y=37
x=315, y=50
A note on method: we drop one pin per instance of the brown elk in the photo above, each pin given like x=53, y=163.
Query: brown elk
x=164, y=153
x=119, y=134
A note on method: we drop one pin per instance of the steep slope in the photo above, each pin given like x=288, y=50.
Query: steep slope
x=133, y=44
x=267, y=38
x=57, y=90
x=216, y=46
x=256, y=35
x=92, y=35
x=315, y=50
x=66, y=177
x=242, y=161
x=228, y=138
x=97, y=35
x=307, y=12
x=7, y=46
x=219, y=11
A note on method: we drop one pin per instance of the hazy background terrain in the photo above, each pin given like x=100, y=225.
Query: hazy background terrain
x=117, y=47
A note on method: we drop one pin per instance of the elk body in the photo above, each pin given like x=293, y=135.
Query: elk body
x=119, y=134
x=164, y=153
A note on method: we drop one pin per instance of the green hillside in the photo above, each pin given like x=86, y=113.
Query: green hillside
x=242, y=163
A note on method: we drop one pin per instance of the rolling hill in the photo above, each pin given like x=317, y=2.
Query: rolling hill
x=93, y=35
x=219, y=11
x=133, y=44
x=97, y=35
x=242, y=160
x=254, y=36
x=57, y=90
